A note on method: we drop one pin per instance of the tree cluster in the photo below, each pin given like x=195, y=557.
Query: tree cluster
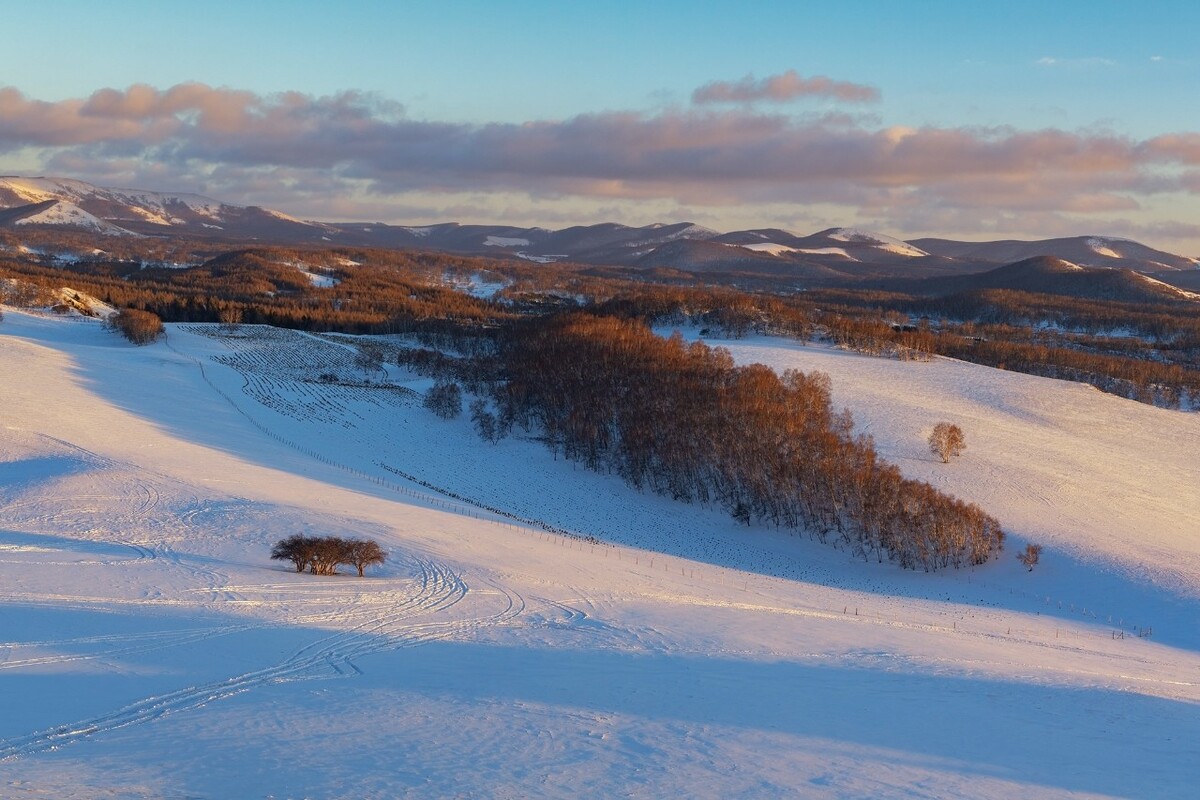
x=682, y=420
x=721, y=311
x=322, y=555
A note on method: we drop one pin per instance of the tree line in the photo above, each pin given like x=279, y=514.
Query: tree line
x=1051, y=336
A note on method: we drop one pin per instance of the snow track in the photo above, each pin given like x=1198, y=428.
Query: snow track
x=391, y=620
x=676, y=653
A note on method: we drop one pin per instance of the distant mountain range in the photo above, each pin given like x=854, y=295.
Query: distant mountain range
x=834, y=255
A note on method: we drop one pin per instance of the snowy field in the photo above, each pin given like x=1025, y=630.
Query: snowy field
x=150, y=649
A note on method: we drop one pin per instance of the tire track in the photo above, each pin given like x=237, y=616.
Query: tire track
x=439, y=589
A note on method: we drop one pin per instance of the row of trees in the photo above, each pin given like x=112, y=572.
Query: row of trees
x=1142, y=379
x=322, y=555
x=684, y=421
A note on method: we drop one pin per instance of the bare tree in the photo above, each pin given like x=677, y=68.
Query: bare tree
x=369, y=359
x=485, y=421
x=363, y=553
x=947, y=441
x=296, y=548
x=444, y=399
x=1030, y=555
x=328, y=552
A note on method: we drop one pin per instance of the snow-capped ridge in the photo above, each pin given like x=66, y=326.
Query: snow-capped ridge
x=61, y=212
x=1100, y=245
x=1184, y=293
x=136, y=209
x=886, y=243
x=768, y=247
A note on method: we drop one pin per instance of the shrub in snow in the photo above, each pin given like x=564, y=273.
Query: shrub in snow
x=139, y=327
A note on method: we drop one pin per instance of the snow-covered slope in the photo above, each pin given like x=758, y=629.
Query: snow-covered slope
x=769, y=247
x=146, y=206
x=64, y=213
x=150, y=648
x=111, y=211
x=879, y=241
x=1055, y=460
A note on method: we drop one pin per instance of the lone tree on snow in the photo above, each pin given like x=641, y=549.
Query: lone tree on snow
x=947, y=441
x=321, y=555
x=1030, y=555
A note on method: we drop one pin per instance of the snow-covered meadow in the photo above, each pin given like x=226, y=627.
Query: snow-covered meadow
x=149, y=648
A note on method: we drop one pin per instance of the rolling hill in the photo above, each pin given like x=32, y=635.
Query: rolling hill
x=1055, y=276
x=1087, y=251
x=151, y=648
x=845, y=255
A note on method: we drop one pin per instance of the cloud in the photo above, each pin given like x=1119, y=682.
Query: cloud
x=352, y=151
x=783, y=88
x=1181, y=147
x=1091, y=62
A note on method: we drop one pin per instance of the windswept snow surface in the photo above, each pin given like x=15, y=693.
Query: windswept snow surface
x=1101, y=247
x=148, y=647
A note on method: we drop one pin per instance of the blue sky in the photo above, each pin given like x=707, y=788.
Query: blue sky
x=1087, y=69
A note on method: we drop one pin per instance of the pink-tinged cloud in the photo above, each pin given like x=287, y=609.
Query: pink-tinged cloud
x=249, y=146
x=783, y=88
x=1181, y=147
